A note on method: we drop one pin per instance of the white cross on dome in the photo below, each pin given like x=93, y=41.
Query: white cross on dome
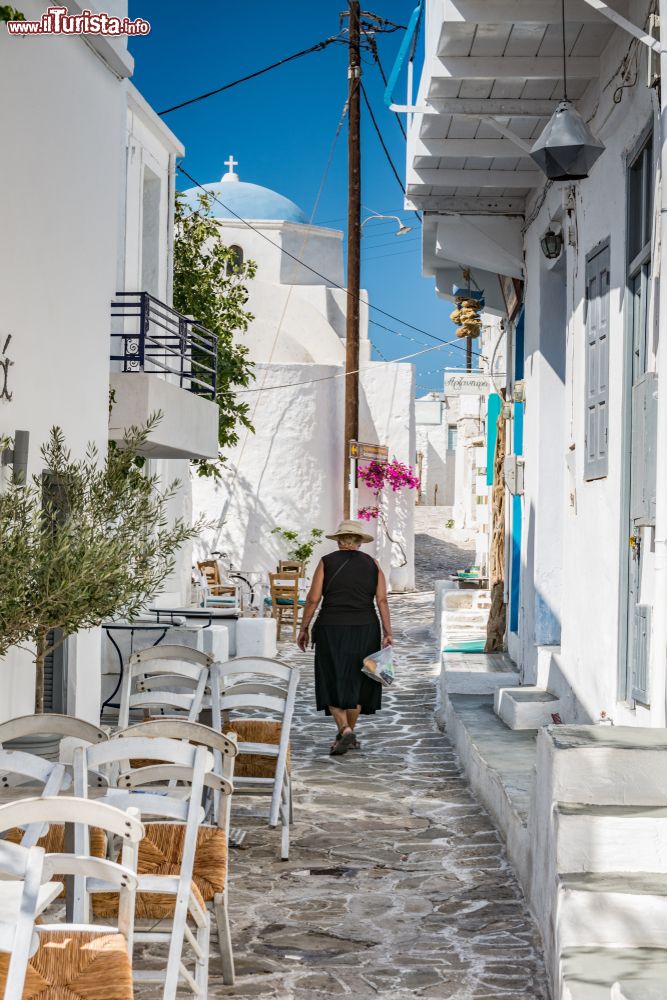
x=231, y=174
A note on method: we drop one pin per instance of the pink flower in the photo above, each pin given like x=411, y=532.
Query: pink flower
x=369, y=513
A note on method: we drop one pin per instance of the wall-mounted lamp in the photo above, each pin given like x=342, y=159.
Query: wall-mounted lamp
x=17, y=457
x=552, y=244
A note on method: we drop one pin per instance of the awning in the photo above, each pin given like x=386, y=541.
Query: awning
x=490, y=242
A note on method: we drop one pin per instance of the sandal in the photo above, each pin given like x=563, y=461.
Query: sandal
x=355, y=746
x=344, y=743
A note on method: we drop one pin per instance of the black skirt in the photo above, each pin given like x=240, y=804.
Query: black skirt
x=339, y=656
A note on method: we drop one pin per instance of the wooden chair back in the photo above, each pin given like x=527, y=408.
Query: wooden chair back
x=48, y=778
x=292, y=566
x=88, y=871
x=50, y=724
x=191, y=767
x=167, y=678
x=285, y=599
x=244, y=682
x=18, y=937
x=210, y=570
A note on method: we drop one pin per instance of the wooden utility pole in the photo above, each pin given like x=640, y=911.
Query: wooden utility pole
x=469, y=354
x=353, y=249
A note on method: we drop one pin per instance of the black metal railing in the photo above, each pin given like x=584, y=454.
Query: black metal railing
x=149, y=336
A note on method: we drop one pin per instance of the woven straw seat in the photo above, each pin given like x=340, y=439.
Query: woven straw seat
x=253, y=765
x=53, y=842
x=160, y=853
x=81, y=965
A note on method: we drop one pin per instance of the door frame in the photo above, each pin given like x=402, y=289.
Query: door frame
x=624, y=673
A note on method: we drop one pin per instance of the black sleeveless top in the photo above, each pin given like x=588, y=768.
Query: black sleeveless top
x=350, y=582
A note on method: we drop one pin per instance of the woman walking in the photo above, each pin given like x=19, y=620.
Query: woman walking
x=350, y=584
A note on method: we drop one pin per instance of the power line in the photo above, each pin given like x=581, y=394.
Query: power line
x=343, y=374
x=318, y=47
x=376, y=56
x=382, y=142
x=329, y=281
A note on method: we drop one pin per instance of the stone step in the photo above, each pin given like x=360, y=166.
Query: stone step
x=614, y=909
x=526, y=707
x=609, y=765
x=592, y=838
x=653, y=989
x=477, y=673
x=591, y=973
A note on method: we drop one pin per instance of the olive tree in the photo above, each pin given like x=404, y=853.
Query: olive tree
x=88, y=540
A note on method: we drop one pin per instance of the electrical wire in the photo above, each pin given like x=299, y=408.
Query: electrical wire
x=318, y=47
x=329, y=281
x=381, y=138
x=343, y=374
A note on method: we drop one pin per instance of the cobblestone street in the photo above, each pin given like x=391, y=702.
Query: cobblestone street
x=397, y=885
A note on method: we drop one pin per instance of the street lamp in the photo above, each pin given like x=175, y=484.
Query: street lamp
x=401, y=231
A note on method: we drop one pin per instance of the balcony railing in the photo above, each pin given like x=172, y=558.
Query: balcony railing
x=149, y=336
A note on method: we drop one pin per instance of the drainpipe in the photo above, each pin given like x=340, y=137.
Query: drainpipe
x=660, y=602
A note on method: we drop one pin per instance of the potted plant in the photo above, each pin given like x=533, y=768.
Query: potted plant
x=87, y=541
x=300, y=548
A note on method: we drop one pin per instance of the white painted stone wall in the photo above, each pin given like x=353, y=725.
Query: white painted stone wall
x=61, y=171
x=438, y=476
x=386, y=416
x=288, y=474
x=574, y=556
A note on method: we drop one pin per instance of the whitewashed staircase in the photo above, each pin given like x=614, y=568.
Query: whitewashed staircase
x=608, y=861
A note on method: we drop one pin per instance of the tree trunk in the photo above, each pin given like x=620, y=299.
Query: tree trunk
x=495, y=632
x=40, y=656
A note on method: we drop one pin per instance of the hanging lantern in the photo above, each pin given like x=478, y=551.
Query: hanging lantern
x=552, y=244
x=567, y=149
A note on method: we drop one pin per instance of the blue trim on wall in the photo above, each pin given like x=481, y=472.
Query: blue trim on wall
x=492, y=414
x=517, y=505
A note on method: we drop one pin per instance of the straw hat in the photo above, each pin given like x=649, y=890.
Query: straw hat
x=351, y=528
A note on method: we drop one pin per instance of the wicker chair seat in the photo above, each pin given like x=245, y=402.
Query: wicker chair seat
x=81, y=965
x=53, y=842
x=160, y=853
x=254, y=765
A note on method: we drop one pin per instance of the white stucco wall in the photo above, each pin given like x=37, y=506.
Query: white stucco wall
x=288, y=474
x=386, y=416
x=579, y=565
x=61, y=172
x=438, y=469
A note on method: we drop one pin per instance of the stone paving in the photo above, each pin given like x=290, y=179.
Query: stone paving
x=439, y=550
x=397, y=885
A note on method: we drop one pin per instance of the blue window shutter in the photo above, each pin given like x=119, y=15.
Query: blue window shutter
x=596, y=461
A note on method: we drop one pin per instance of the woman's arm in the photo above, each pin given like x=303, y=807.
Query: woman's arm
x=312, y=602
x=383, y=608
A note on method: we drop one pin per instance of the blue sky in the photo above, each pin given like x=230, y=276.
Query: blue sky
x=280, y=127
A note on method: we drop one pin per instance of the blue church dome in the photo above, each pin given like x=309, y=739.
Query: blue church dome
x=249, y=201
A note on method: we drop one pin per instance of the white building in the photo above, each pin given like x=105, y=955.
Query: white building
x=91, y=220
x=586, y=528
x=289, y=473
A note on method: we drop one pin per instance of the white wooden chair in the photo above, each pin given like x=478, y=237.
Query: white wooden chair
x=68, y=950
x=178, y=856
x=225, y=750
x=257, y=703
x=168, y=679
x=24, y=893
x=19, y=769
x=71, y=731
